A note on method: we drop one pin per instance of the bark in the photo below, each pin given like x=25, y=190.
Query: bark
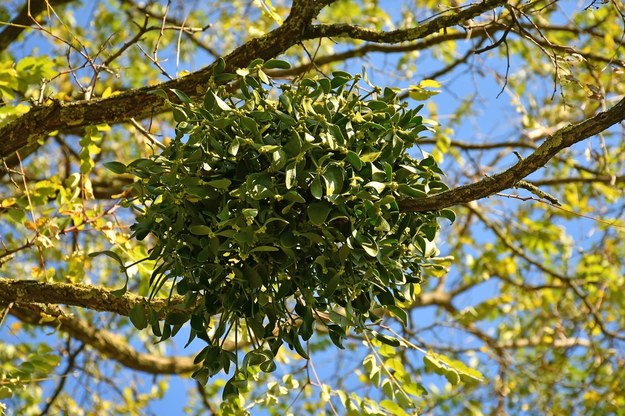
x=85, y=296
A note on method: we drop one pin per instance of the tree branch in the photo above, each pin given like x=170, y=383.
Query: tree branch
x=451, y=36
x=563, y=138
x=403, y=35
x=112, y=346
x=24, y=132
x=71, y=363
x=85, y=296
x=30, y=10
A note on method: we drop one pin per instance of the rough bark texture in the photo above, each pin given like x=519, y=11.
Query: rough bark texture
x=73, y=294
x=38, y=303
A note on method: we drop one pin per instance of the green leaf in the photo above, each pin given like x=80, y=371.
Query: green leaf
x=279, y=159
x=370, y=248
x=159, y=92
x=242, y=72
x=429, y=83
x=393, y=342
x=377, y=105
x=299, y=348
x=453, y=377
x=318, y=212
x=315, y=188
x=138, y=316
x=306, y=330
x=249, y=212
x=219, y=67
x=368, y=244
x=399, y=313
x=277, y=64
x=268, y=366
x=177, y=318
x=220, y=103
x=182, y=96
x=230, y=390
x=378, y=186
x=259, y=186
x=337, y=335
x=354, y=160
x=110, y=254
x=263, y=77
x=291, y=176
x=369, y=157
x=393, y=408
x=252, y=277
x=222, y=183
x=449, y=214
x=339, y=319
x=116, y=167
x=201, y=230
x=466, y=373
x=223, y=78
x=432, y=364
x=409, y=191
x=118, y=293
x=333, y=178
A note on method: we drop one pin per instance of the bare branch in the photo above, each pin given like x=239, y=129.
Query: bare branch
x=403, y=35
x=107, y=343
x=21, y=22
x=481, y=33
x=561, y=139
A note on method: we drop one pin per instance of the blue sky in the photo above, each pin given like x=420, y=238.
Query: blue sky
x=493, y=117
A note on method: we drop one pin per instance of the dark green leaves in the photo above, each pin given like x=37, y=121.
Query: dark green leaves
x=318, y=212
x=115, y=167
x=138, y=316
x=276, y=64
x=274, y=207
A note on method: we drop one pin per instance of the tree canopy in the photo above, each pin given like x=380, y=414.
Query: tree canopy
x=312, y=207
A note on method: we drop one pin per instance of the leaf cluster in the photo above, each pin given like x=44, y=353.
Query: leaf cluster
x=277, y=206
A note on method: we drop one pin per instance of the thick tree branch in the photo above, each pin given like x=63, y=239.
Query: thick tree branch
x=558, y=141
x=403, y=35
x=112, y=346
x=85, y=296
x=23, y=133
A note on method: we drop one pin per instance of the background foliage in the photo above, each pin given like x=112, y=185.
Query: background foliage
x=522, y=310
